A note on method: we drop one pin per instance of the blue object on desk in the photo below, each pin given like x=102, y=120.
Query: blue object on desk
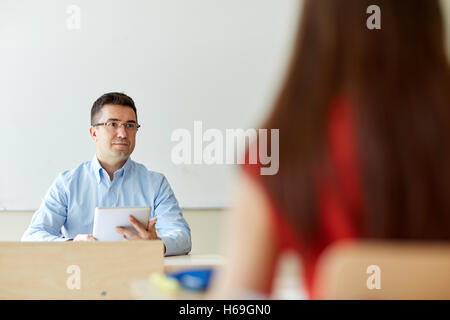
x=193, y=279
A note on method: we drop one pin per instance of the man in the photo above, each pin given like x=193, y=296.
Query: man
x=111, y=179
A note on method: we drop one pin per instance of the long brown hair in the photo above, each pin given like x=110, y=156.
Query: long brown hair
x=398, y=82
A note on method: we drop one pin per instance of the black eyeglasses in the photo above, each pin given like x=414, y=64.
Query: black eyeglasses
x=115, y=125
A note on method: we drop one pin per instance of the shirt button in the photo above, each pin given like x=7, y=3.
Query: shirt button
x=111, y=190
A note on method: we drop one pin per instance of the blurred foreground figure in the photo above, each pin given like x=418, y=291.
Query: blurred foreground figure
x=364, y=120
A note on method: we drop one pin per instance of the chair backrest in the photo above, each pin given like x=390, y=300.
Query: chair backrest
x=384, y=270
x=76, y=270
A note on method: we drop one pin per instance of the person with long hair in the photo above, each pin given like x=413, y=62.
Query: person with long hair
x=364, y=143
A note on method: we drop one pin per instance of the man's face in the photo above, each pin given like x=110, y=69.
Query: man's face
x=114, y=143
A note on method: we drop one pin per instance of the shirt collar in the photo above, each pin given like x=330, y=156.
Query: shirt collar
x=98, y=169
x=126, y=167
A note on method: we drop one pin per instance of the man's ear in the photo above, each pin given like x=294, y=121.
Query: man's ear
x=93, y=133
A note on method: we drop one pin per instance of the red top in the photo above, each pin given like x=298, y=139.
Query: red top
x=338, y=203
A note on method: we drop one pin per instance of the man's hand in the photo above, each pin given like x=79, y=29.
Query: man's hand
x=143, y=233
x=84, y=237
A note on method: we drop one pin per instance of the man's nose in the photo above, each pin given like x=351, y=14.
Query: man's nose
x=121, y=131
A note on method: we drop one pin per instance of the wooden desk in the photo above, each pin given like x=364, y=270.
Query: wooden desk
x=45, y=270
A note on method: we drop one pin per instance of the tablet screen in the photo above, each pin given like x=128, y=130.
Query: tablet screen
x=107, y=219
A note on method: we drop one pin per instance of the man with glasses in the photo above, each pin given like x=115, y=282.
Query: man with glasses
x=111, y=179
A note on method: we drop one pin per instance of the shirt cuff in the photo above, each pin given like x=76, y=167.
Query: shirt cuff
x=171, y=246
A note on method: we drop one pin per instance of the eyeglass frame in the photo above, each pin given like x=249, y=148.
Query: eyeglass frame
x=120, y=124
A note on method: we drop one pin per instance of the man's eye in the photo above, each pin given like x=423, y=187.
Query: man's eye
x=130, y=125
x=113, y=124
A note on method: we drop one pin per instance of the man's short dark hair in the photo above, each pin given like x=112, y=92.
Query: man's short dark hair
x=115, y=98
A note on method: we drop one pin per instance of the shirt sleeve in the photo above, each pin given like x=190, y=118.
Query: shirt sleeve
x=47, y=221
x=172, y=228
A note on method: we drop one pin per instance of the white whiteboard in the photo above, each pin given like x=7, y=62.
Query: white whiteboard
x=218, y=61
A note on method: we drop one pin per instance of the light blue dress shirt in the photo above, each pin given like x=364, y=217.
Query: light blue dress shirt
x=69, y=205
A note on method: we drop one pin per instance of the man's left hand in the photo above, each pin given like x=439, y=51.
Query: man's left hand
x=143, y=233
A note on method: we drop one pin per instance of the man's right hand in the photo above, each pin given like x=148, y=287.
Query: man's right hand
x=84, y=237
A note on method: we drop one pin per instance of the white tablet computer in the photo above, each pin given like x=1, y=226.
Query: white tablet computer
x=107, y=219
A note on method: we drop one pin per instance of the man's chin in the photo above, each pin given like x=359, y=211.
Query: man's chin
x=121, y=149
x=119, y=154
